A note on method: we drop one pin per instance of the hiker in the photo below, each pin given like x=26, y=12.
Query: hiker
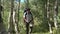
x=28, y=20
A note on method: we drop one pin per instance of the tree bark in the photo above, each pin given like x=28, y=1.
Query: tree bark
x=2, y=27
x=55, y=13
x=48, y=16
x=11, y=28
x=14, y=22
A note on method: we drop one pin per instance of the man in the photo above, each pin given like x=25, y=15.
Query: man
x=28, y=19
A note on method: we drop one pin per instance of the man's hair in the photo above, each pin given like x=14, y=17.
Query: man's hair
x=27, y=9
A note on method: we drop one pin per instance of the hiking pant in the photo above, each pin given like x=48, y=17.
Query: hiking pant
x=27, y=28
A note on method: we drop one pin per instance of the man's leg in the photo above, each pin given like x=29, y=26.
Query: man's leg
x=27, y=28
x=31, y=27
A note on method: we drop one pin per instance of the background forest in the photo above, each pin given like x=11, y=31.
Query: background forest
x=46, y=14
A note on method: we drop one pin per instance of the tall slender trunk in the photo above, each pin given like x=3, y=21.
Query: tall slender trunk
x=2, y=27
x=55, y=13
x=14, y=22
x=11, y=28
x=48, y=16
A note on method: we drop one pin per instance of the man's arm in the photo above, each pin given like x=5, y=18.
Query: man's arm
x=24, y=17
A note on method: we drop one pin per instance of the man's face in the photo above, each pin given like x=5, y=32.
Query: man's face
x=28, y=11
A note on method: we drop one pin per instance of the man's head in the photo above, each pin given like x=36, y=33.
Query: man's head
x=28, y=10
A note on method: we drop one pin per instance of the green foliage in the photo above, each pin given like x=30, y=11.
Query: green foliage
x=37, y=9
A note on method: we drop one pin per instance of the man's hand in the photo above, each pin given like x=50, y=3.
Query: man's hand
x=27, y=21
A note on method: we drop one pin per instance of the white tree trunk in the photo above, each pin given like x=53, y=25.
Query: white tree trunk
x=55, y=14
x=48, y=17
x=50, y=28
x=14, y=22
x=11, y=28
